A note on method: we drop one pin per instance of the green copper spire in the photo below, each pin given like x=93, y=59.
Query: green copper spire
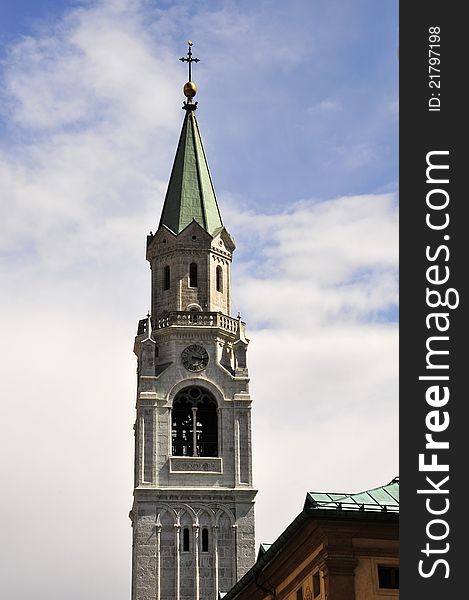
x=190, y=194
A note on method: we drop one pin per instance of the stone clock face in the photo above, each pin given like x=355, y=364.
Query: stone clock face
x=194, y=357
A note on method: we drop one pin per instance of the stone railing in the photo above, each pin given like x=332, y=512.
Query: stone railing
x=193, y=318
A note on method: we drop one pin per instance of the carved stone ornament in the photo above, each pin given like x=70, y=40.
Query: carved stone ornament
x=191, y=465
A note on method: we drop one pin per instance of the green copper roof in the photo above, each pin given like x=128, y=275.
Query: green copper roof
x=384, y=498
x=190, y=192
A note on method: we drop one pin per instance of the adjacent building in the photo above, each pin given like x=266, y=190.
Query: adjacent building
x=340, y=547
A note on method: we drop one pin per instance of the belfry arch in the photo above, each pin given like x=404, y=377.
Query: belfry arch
x=194, y=423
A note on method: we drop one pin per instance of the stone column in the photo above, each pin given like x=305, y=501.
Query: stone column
x=194, y=431
x=215, y=560
x=148, y=444
x=196, y=561
x=234, y=578
x=237, y=448
x=220, y=430
x=339, y=575
x=158, y=562
x=178, y=561
x=141, y=441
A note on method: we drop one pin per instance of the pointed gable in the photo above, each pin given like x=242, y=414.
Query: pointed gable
x=190, y=194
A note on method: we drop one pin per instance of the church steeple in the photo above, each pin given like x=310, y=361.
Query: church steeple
x=190, y=196
x=190, y=253
x=193, y=510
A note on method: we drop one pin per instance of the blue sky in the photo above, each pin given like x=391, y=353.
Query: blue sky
x=298, y=114
x=311, y=112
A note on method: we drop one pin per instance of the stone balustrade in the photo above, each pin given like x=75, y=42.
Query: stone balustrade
x=203, y=319
x=191, y=318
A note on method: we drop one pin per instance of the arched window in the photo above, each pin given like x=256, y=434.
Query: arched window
x=204, y=539
x=219, y=279
x=166, y=278
x=185, y=539
x=193, y=275
x=194, y=423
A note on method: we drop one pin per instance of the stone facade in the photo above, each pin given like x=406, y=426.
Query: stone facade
x=193, y=515
x=176, y=253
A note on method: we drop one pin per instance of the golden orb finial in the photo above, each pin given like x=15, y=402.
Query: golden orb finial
x=190, y=89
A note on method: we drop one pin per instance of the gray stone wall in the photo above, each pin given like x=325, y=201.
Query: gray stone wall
x=167, y=570
x=193, y=245
x=231, y=393
x=193, y=492
x=177, y=496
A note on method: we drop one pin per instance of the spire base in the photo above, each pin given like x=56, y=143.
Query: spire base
x=189, y=106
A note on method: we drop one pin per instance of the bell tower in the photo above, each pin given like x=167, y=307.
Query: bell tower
x=193, y=508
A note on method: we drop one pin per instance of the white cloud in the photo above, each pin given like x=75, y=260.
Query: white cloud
x=358, y=235
x=66, y=454
x=327, y=105
x=95, y=65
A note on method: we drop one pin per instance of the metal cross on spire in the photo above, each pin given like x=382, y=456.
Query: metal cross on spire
x=189, y=59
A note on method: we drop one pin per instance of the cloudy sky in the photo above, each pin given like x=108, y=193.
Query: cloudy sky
x=298, y=113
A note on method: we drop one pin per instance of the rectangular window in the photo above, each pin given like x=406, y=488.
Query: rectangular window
x=299, y=594
x=219, y=278
x=166, y=278
x=204, y=539
x=388, y=577
x=193, y=275
x=185, y=539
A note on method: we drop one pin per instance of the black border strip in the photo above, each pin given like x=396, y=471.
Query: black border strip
x=427, y=255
